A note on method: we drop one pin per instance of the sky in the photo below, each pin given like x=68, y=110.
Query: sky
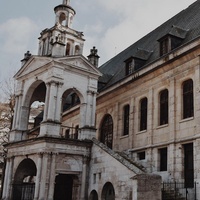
x=109, y=25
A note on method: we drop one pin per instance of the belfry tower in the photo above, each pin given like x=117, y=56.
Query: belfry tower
x=61, y=40
x=57, y=146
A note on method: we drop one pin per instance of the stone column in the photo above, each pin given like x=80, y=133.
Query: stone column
x=58, y=102
x=150, y=116
x=38, y=177
x=52, y=177
x=131, y=121
x=93, y=109
x=23, y=125
x=42, y=191
x=46, y=102
x=16, y=112
x=5, y=186
x=172, y=128
x=89, y=108
x=52, y=101
x=84, y=178
x=83, y=114
x=9, y=181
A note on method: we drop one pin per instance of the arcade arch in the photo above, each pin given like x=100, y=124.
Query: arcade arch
x=93, y=195
x=108, y=192
x=24, y=180
x=71, y=113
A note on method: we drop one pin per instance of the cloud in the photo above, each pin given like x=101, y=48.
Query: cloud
x=18, y=34
x=135, y=18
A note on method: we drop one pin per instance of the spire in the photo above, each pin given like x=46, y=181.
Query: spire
x=93, y=57
x=66, y=2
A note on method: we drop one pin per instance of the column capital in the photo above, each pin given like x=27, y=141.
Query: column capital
x=92, y=92
x=51, y=82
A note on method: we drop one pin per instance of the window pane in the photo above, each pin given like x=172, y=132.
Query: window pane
x=188, y=102
x=163, y=159
x=107, y=131
x=143, y=114
x=164, y=107
x=126, y=119
x=129, y=67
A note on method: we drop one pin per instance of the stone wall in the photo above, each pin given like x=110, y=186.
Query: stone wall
x=147, y=186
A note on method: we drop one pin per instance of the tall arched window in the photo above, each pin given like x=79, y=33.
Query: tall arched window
x=188, y=99
x=107, y=131
x=143, y=114
x=126, y=119
x=164, y=107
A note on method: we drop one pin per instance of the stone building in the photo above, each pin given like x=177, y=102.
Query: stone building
x=108, y=132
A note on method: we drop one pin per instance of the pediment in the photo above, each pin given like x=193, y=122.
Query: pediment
x=33, y=64
x=78, y=63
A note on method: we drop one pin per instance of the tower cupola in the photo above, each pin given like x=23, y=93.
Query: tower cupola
x=64, y=13
x=61, y=40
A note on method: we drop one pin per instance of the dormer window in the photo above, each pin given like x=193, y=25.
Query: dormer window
x=136, y=61
x=133, y=64
x=165, y=46
x=172, y=39
x=169, y=43
x=129, y=67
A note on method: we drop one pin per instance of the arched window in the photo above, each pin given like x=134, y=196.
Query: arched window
x=107, y=131
x=108, y=192
x=93, y=195
x=143, y=114
x=188, y=99
x=77, y=50
x=164, y=107
x=126, y=119
x=62, y=19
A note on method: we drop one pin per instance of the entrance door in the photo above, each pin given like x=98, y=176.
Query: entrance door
x=63, y=187
x=189, y=165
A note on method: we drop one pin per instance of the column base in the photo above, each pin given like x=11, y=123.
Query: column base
x=87, y=133
x=50, y=128
x=17, y=135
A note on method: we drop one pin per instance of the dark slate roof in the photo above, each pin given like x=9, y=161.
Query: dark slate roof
x=185, y=25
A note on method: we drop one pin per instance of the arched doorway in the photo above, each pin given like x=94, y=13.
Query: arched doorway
x=24, y=181
x=63, y=187
x=107, y=131
x=108, y=192
x=71, y=101
x=93, y=195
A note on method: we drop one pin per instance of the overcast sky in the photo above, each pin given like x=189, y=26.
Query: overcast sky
x=110, y=25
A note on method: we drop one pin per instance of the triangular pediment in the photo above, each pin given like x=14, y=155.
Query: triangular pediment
x=79, y=63
x=38, y=64
x=33, y=64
